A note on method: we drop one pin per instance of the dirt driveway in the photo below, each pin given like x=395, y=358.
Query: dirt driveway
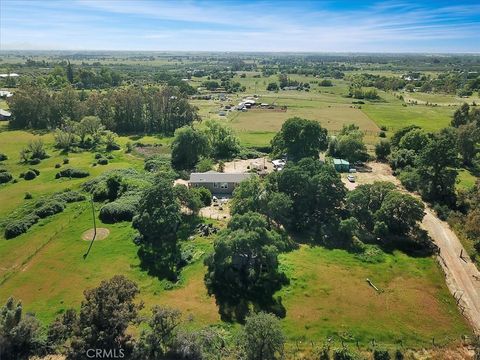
x=461, y=275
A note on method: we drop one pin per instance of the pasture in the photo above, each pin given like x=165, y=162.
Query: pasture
x=327, y=295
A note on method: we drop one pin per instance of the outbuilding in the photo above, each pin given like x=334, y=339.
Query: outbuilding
x=341, y=165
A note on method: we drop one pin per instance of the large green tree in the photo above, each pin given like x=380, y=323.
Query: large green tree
x=262, y=337
x=105, y=314
x=316, y=193
x=300, y=138
x=400, y=212
x=243, y=269
x=436, y=167
x=157, y=221
x=188, y=146
x=20, y=335
x=223, y=142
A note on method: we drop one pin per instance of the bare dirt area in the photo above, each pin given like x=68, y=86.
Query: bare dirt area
x=236, y=166
x=218, y=211
x=370, y=173
x=461, y=275
x=102, y=233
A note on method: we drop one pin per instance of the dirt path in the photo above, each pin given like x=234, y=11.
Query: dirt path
x=461, y=275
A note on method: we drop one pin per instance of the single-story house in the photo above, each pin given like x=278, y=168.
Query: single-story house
x=4, y=115
x=217, y=182
x=341, y=165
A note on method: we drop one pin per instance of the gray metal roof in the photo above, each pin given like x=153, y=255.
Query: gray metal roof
x=213, y=176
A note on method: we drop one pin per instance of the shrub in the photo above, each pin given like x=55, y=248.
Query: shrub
x=410, y=178
x=3, y=157
x=30, y=175
x=123, y=209
x=5, y=177
x=381, y=355
x=18, y=227
x=98, y=156
x=34, y=161
x=383, y=128
x=129, y=147
x=28, y=196
x=102, y=161
x=442, y=211
x=49, y=208
x=36, y=171
x=57, y=166
x=113, y=146
x=382, y=134
x=204, y=165
x=66, y=161
x=69, y=196
x=110, y=157
x=205, y=196
x=157, y=163
x=72, y=173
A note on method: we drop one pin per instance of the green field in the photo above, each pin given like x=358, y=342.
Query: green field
x=327, y=295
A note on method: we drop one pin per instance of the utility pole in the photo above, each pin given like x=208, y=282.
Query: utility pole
x=94, y=229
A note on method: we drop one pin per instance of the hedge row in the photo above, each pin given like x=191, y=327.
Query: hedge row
x=20, y=226
x=43, y=208
x=72, y=173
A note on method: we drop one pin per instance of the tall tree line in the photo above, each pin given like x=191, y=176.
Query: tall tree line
x=124, y=110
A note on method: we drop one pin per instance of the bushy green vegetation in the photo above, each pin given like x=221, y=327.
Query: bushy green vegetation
x=72, y=173
x=42, y=208
x=326, y=295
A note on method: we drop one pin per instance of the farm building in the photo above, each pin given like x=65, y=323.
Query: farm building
x=4, y=115
x=217, y=182
x=341, y=165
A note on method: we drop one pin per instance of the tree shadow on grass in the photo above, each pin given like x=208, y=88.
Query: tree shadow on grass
x=163, y=259
x=232, y=310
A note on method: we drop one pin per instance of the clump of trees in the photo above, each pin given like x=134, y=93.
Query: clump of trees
x=157, y=221
x=214, y=140
x=124, y=110
x=426, y=162
x=299, y=138
x=102, y=323
x=243, y=270
x=348, y=144
x=34, y=152
x=42, y=208
x=466, y=121
x=357, y=92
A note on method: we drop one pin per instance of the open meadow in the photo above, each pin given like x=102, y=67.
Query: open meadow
x=328, y=294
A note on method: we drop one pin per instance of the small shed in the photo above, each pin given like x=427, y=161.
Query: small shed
x=341, y=165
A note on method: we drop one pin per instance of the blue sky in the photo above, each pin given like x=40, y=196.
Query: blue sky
x=305, y=26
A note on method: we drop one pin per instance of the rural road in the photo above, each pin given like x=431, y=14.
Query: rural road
x=461, y=275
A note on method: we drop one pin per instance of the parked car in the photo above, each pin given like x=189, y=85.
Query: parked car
x=351, y=178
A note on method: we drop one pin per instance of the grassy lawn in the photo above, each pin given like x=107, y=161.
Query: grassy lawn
x=329, y=295
x=440, y=99
x=465, y=179
x=395, y=116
